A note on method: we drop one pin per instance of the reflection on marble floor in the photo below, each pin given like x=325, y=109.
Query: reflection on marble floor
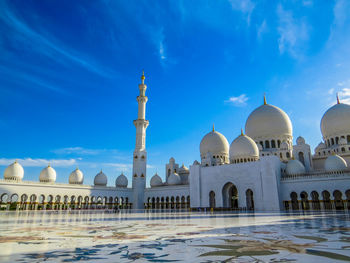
x=36, y=236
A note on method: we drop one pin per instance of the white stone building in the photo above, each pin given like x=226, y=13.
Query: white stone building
x=261, y=170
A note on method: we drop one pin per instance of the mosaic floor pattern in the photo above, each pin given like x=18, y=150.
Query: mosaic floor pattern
x=97, y=236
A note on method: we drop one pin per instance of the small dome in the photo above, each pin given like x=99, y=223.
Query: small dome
x=100, y=179
x=295, y=167
x=121, y=181
x=156, y=181
x=183, y=169
x=174, y=179
x=214, y=143
x=243, y=147
x=320, y=146
x=48, y=174
x=14, y=172
x=300, y=141
x=76, y=177
x=335, y=163
x=268, y=121
x=336, y=121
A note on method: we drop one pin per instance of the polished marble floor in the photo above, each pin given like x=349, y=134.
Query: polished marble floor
x=98, y=236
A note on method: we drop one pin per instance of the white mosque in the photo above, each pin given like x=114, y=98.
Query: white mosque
x=261, y=170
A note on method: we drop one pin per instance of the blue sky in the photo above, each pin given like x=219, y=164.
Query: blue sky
x=69, y=75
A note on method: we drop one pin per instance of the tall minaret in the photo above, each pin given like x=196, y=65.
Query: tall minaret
x=140, y=154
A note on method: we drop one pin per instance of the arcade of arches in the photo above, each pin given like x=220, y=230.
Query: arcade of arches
x=318, y=201
x=168, y=202
x=230, y=198
x=50, y=202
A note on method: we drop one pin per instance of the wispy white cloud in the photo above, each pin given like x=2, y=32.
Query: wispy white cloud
x=340, y=12
x=83, y=151
x=344, y=95
x=246, y=7
x=239, y=101
x=29, y=162
x=331, y=91
x=27, y=37
x=262, y=28
x=293, y=33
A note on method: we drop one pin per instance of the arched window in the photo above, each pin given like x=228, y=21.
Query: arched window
x=336, y=140
x=329, y=144
x=273, y=144
x=315, y=201
x=342, y=149
x=304, y=201
x=249, y=199
x=142, y=175
x=348, y=138
x=279, y=143
x=332, y=140
x=262, y=144
x=281, y=155
x=288, y=155
x=326, y=200
x=301, y=158
x=294, y=198
x=135, y=175
x=338, y=201
x=267, y=144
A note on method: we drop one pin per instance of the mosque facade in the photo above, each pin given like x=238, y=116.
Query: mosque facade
x=260, y=170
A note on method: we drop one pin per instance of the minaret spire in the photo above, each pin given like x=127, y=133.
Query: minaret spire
x=265, y=99
x=140, y=153
x=213, y=127
x=143, y=77
x=338, y=102
x=242, y=133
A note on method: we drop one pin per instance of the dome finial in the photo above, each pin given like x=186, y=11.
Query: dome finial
x=143, y=77
x=213, y=127
x=265, y=99
x=338, y=102
x=242, y=132
x=49, y=165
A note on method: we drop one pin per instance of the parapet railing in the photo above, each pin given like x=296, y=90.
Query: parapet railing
x=316, y=175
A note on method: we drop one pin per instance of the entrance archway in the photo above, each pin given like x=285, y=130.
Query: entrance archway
x=230, y=196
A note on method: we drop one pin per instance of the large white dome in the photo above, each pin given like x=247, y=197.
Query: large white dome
x=121, y=181
x=174, y=179
x=156, y=181
x=295, y=167
x=100, y=179
x=335, y=163
x=268, y=121
x=243, y=147
x=76, y=177
x=215, y=143
x=48, y=174
x=336, y=121
x=14, y=172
